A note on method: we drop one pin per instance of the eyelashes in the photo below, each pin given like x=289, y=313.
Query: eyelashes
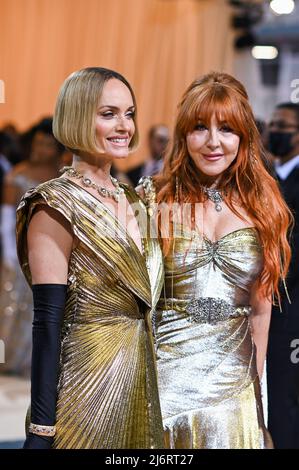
x=110, y=115
x=202, y=127
x=226, y=129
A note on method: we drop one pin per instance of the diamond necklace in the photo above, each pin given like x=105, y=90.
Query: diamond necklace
x=115, y=194
x=215, y=196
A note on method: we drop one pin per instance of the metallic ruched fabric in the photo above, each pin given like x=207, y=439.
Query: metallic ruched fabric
x=208, y=384
x=107, y=393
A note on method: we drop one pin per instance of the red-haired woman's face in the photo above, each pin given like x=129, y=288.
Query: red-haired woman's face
x=212, y=147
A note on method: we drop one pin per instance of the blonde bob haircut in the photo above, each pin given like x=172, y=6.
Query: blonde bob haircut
x=76, y=108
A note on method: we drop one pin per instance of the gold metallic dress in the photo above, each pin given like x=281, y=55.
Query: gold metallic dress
x=107, y=393
x=208, y=384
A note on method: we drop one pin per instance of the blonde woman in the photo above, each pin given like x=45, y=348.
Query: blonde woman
x=95, y=280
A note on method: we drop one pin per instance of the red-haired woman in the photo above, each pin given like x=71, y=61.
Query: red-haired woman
x=225, y=252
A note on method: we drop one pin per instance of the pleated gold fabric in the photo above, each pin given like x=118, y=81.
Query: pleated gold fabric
x=208, y=383
x=107, y=393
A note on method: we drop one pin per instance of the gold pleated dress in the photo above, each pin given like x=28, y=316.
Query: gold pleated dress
x=107, y=392
x=208, y=383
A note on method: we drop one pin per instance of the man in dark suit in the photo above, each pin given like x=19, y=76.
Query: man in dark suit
x=283, y=348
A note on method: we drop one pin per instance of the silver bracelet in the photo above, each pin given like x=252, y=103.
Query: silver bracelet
x=42, y=430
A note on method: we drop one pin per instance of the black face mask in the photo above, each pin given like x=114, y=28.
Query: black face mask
x=279, y=143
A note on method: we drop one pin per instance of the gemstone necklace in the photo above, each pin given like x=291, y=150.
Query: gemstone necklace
x=215, y=196
x=102, y=191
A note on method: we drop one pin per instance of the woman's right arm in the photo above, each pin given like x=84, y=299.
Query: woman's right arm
x=49, y=242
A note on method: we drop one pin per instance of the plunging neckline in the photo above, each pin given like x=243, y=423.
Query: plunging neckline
x=116, y=219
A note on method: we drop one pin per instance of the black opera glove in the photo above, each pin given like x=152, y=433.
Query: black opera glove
x=49, y=303
x=34, y=441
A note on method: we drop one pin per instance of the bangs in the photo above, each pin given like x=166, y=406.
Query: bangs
x=217, y=101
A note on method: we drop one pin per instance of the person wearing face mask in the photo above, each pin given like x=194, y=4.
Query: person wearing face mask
x=283, y=352
x=222, y=225
x=96, y=278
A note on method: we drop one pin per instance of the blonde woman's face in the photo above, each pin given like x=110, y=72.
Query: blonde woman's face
x=212, y=147
x=114, y=121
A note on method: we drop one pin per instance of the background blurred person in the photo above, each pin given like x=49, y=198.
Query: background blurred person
x=282, y=360
x=15, y=296
x=158, y=138
x=9, y=156
x=11, y=129
x=268, y=158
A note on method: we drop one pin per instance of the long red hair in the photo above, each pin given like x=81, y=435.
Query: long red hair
x=247, y=176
